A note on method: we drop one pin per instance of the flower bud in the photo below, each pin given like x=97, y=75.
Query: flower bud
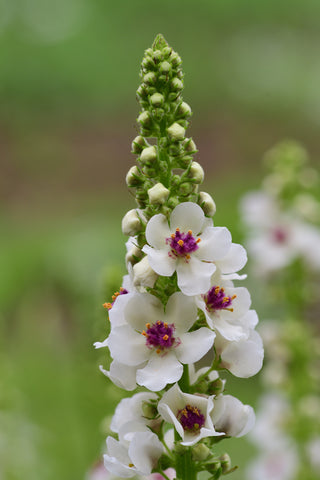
x=196, y=172
x=150, y=78
x=149, y=411
x=173, y=202
x=137, y=144
x=176, y=84
x=158, y=194
x=143, y=275
x=207, y=204
x=225, y=463
x=142, y=92
x=166, y=52
x=157, y=56
x=165, y=67
x=133, y=177
x=175, y=59
x=184, y=110
x=176, y=132
x=147, y=62
x=133, y=255
x=200, y=452
x=156, y=99
x=185, y=161
x=148, y=155
x=131, y=223
x=190, y=146
x=186, y=188
x=145, y=119
x=215, y=387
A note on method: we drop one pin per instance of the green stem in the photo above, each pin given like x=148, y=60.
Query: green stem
x=184, y=380
x=185, y=467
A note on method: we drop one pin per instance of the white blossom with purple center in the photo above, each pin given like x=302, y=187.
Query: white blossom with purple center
x=223, y=306
x=156, y=342
x=190, y=246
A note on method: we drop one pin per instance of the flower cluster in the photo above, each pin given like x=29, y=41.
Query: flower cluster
x=284, y=241
x=178, y=321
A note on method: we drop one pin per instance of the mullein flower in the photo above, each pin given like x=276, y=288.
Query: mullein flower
x=178, y=320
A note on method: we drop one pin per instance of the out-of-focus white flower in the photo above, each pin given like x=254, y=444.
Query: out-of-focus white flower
x=137, y=457
x=190, y=415
x=158, y=342
x=313, y=451
x=231, y=416
x=277, y=238
x=189, y=246
x=276, y=464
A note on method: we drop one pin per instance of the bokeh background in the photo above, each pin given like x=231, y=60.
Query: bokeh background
x=69, y=70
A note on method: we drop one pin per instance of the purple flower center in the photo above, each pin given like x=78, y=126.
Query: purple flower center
x=279, y=235
x=216, y=299
x=191, y=418
x=182, y=244
x=109, y=305
x=159, y=335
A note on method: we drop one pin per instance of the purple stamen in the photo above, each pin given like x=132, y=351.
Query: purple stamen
x=182, y=244
x=279, y=235
x=191, y=418
x=159, y=335
x=216, y=299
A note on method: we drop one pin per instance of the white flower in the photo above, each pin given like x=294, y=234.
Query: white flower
x=231, y=417
x=131, y=223
x=137, y=457
x=189, y=246
x=223, y=306
x=157, y=343
x=276, y=464
x=244, y=357
x=130, y=417
x=143, y=274
x=123, y=376
x=190, y=415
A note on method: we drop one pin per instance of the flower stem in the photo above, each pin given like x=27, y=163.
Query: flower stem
x=185, y=467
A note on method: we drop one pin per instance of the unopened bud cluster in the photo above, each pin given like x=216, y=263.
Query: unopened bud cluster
x=165, y=174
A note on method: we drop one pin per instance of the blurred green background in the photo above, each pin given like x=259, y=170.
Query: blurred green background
x=68, y=74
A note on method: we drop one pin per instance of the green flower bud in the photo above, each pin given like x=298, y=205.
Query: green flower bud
x=149, y=171
x=142, y=92
x=158, y=194
x=176, y=84
x=225, y=463
x=149, y=411
x=200, y=452
x=186, y=188
x=148, y=155
x=176, y=132
x=175, y=59
x=145, y=119
x=150, y=78
x=184, y=110
x=157, y=56
x=156, y=99
x=190, y=146
x=185, y=161
x=215, y=469
x=175, y=180
x=134, y=255
x=137, y=144
x=133, y=178
x=149, y=52
x=166, y=51
x=196, y=172
x=131, y=223
x=165, y=67
x=172, y=202
x=207, y=204
x=216, y=386
x=147, y=62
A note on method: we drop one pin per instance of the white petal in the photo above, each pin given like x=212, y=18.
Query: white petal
x=117, y=460
x=235, y=259
x=159, y=371
x=127, y=346
x=244, y=358
x=215, y=244
x=227, y=330
x=141, y=309
x=130, y=409
x=187, y=216
x=194, y=276
x=145, y=450
x=236, y=419
x=101, y=344
x=160, y=261
x=182, y=311
x=157, y=231
x=121, y=375
x=194, y=345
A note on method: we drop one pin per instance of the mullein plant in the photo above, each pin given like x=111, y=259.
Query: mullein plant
x=177, y=322
x=283, y=221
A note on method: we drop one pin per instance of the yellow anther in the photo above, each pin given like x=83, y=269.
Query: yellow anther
x=181, y=243
x=165, y=325
x=165, y=337
x=190, y=232
x=148, y=325
x=217, y=290
x=158, y=351
x=233, y=297
x=122, y=289
x=158, y=322
x=198, y=240
x=178, y=230
x=107, y=305
x=131, y=465
x=173, y=235
x=225, y=299
x=188, y=256
x=144, y=333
